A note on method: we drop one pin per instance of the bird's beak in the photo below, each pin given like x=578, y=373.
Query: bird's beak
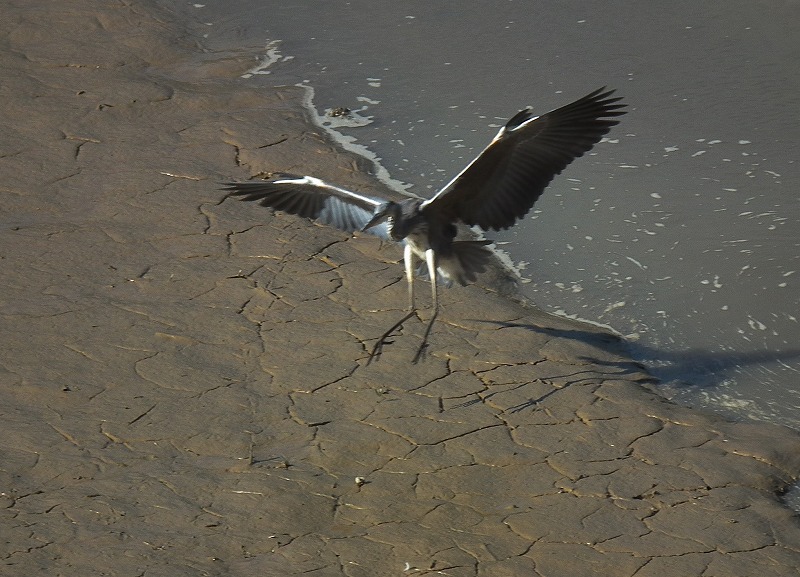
x=373, y=221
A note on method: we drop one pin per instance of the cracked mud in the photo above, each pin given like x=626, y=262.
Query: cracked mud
x=184, y=381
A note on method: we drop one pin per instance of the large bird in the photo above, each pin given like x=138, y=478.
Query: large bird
x=495, y=190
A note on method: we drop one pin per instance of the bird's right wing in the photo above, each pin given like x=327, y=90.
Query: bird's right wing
x=312, y=198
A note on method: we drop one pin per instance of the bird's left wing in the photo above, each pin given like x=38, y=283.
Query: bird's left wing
x=312, y=198
x=502, y=183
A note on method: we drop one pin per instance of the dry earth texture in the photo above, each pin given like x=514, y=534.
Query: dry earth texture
x=183, y=379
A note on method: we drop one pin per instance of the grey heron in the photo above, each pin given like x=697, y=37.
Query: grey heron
x=494, y=190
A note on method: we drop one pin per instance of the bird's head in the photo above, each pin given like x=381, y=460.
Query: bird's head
x=382, y=212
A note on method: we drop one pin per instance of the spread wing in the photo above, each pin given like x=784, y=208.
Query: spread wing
x=312, y=198
x=507, y=178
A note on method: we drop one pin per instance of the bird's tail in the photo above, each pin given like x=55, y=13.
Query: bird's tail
x=467, y=260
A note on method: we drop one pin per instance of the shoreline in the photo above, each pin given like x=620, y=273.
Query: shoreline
x=186, y=389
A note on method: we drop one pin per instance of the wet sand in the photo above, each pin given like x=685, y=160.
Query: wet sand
x=185, y=389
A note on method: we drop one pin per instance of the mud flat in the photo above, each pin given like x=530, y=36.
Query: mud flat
x=184, y=386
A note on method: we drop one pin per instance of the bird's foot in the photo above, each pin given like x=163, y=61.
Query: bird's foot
x=384, y=340
x=420, y=353
x=378, y=349
x=424, y=345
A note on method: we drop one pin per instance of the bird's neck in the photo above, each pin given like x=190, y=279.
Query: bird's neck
x=404, y=219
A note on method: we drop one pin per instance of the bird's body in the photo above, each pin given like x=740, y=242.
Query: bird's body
x=457, y=261
x=492, y=192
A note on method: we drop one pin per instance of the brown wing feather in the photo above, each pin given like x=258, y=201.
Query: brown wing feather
x=508, y=177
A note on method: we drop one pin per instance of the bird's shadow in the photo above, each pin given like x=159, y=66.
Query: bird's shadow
x=694, y=367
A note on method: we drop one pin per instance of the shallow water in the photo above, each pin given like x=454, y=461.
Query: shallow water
x=680, y=231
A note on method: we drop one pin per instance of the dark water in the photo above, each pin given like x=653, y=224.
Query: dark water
x=681, y=232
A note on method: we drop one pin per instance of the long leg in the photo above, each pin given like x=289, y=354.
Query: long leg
x=408, y=258
x=430, y=258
